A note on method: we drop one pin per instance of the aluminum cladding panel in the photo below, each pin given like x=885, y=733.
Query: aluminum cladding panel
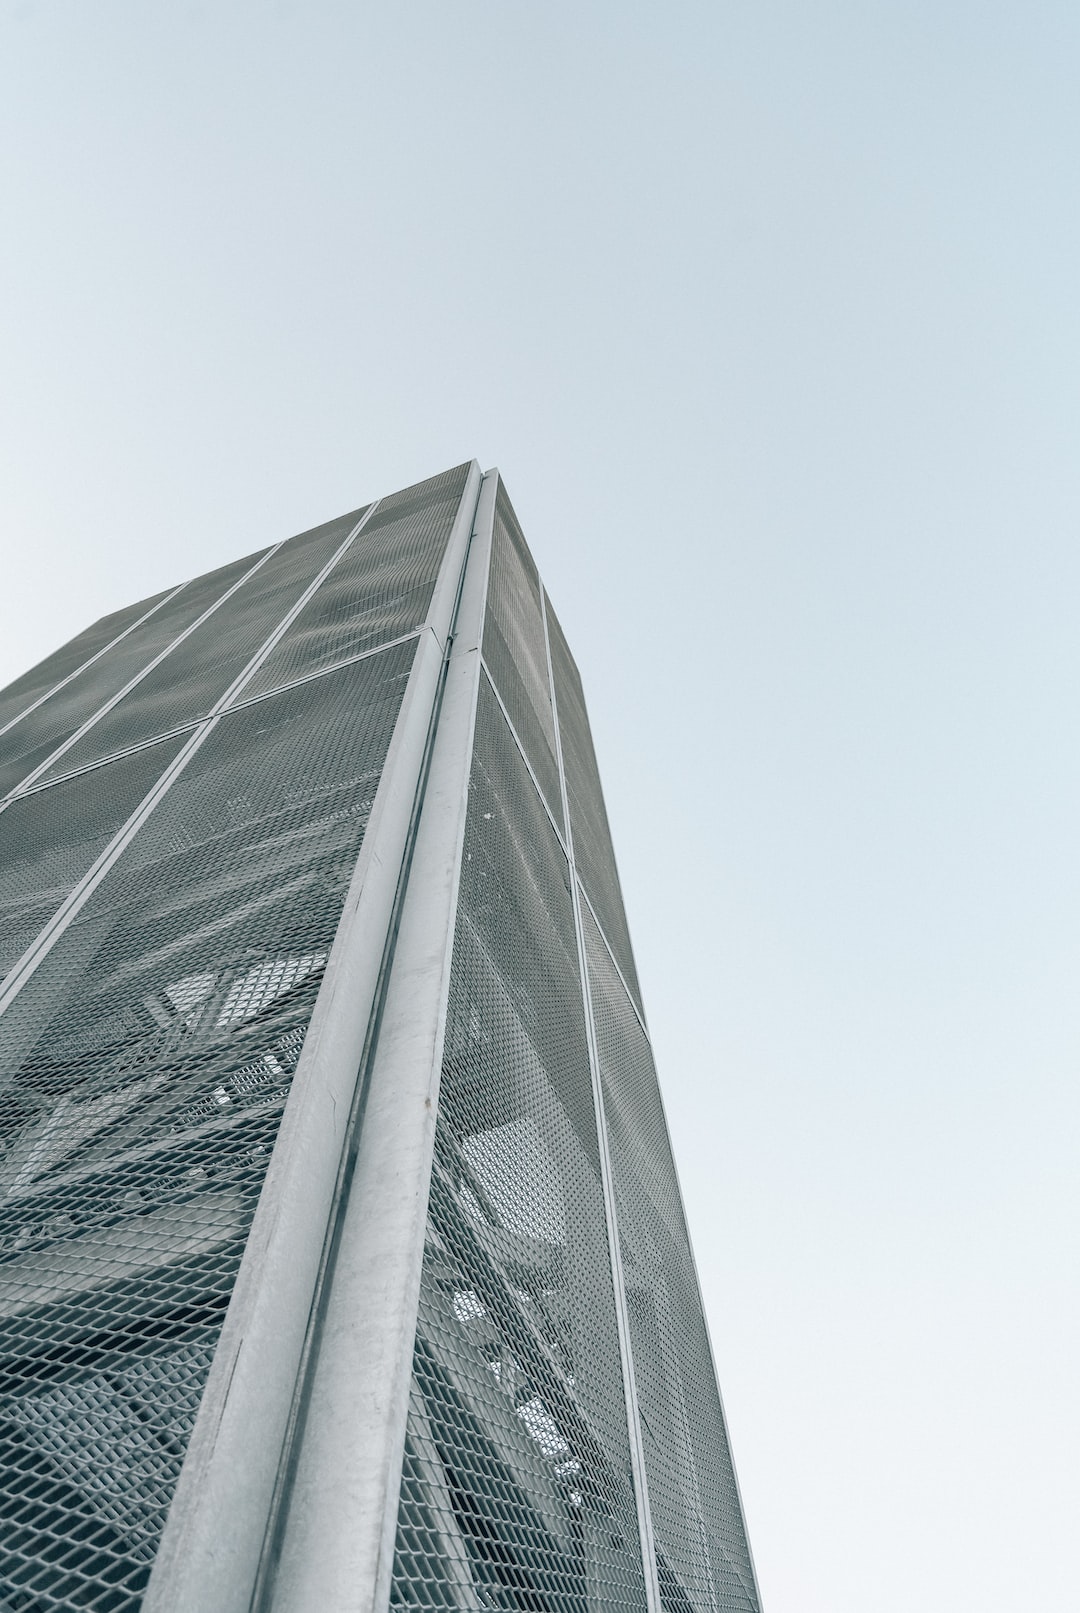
x=147, y=1061
x=51, y=836
x=33, y=740
x=380, y=589
x=197, y=672
x=69, y=660
x=702, y=1555
x=515, y=650
x=517, y=1490
x=593, y=850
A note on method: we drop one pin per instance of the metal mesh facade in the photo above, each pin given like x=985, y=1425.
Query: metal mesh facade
x=520, y=1472
x=202, y=794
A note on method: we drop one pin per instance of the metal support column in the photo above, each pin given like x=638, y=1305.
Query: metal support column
x=333, y=1543
x=230, y=1489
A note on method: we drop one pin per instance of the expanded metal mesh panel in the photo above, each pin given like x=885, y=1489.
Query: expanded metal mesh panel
x=593, y=851
x=197, y=673
x=514, y=649
x=50, y=837
x=702, y=1554
x=68, y=659
x=30, y=742
x=146, y=1065
x=380, y=589
x=517, y=1489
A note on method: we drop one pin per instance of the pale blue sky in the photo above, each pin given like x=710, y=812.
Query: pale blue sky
x=768, y=313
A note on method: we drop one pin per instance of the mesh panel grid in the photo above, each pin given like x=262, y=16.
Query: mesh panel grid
x=30, y=742
x=195, y=675
x=145, y=1066
x=69, y=659
x=50, y=838
x=702, y=1555
x=149, y=1059
x=381, y=588
x=515, y=652
x=516, y=1489
x=593, y=851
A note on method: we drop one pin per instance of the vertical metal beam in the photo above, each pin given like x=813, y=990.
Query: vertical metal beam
x=216, y=1533
x=332, y=1547
x=633, y=1420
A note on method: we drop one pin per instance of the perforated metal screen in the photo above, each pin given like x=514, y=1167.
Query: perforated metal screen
x=515, y=652
x=518, y=1484
x=518, y=1491
x=593, y=850
x=702, y=1554
x=32, y=743
x=198, y=669
x=69, y=660
x=148, y=1063
x=378, y=591
x=147, y=1059
x=184, y=793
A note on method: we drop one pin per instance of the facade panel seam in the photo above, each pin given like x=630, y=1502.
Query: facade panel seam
x=237, y=705
x=165, y=599
x=752, y=1590
x=76, y=899
x=293, y=1570
x=493, y=686
x=637, y=1449
x=144, y=672
x=216, y=1531
x=638, y=1015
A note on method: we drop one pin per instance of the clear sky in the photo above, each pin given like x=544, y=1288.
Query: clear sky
x=768, y=312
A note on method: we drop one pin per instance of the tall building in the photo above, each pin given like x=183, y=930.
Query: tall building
x=343, y=1264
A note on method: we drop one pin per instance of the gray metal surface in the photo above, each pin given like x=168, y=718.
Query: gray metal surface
x=64, y=665
x=190, y=678
x=219, y=1526
x=702, y=1553
x=84, y=890
x=593, y=850
x=334, y=1544
x=32, y=743
x=516, y=653
x=518, y=1404
x=146, y=1061
x=343, y=1263
x=84, y=743
x=633, y=1413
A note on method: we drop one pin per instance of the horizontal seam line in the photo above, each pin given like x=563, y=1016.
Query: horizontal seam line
x=196, y=722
